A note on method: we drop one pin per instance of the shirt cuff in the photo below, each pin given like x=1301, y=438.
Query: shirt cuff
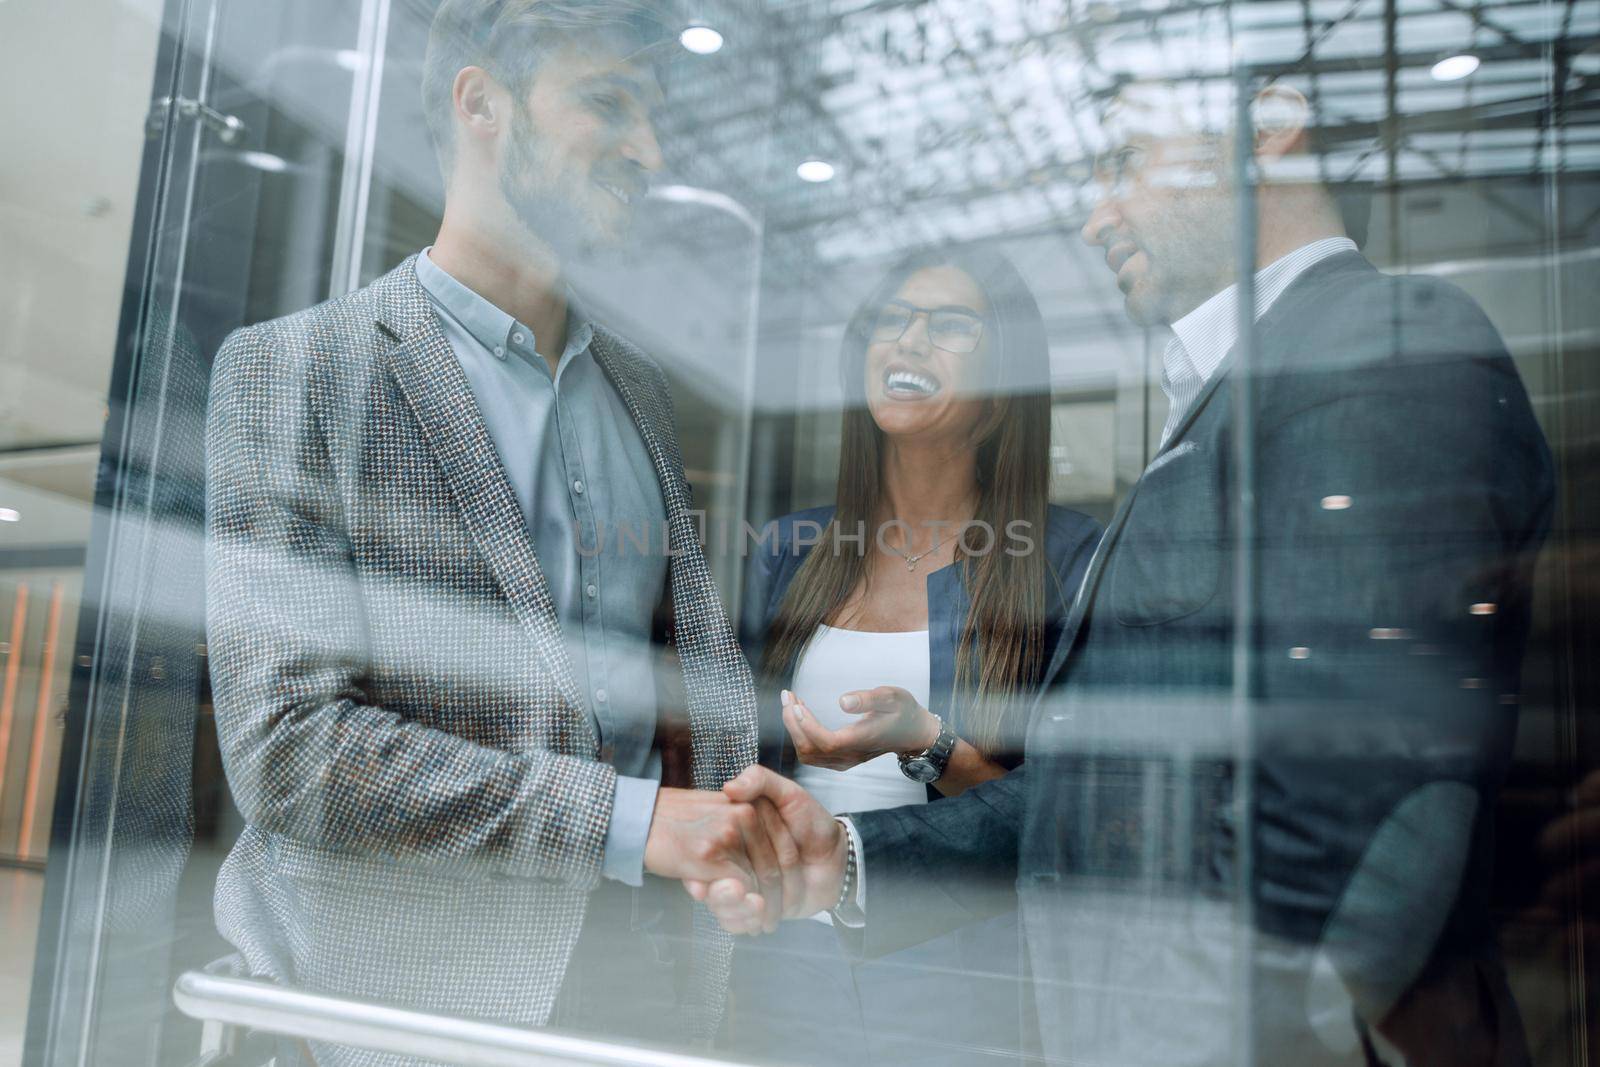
x=854, y=913
x=632, y=806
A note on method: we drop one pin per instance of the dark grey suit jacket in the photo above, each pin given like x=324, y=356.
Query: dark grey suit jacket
x=1382, y=704
x=425, y=799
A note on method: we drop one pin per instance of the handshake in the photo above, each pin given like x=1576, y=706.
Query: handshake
x=759, y=851
x=763, y=849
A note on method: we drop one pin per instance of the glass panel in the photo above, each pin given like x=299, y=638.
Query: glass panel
x=225, y=147
x=443, y=443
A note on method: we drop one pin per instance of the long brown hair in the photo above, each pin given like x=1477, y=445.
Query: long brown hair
x=1001, y=649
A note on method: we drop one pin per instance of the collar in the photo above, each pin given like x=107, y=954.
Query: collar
x=1206, y=334
x=492, y=328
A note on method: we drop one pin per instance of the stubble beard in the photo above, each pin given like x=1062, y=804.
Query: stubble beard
x=551, y=210
x=1189, y=260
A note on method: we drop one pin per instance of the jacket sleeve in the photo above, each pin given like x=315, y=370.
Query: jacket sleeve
x=308, y=755
x=934, y=867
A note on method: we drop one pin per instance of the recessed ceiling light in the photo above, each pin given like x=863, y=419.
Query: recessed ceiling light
x=1454, y=68
x=701, y=40
x=10, y=515
x=815, y=170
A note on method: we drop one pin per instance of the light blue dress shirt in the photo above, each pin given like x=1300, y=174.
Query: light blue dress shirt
x=580, y=471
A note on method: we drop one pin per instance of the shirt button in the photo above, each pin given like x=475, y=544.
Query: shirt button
x=599, y=696
x=500, y=352
x=516, y=338
x=577, y=486
x=592, y=590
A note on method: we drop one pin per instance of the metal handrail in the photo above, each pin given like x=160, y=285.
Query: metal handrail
x=276, y=1009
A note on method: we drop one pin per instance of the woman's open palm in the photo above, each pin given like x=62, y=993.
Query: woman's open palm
x=887, y=719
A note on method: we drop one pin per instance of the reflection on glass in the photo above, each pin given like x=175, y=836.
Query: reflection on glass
x=829, y=533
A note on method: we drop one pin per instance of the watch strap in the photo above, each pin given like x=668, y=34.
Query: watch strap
x=943, y=745
x=937, y=753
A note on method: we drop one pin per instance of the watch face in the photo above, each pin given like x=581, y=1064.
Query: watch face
x=920, y=769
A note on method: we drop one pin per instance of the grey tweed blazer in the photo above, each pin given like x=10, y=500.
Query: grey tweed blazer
x=425, y=805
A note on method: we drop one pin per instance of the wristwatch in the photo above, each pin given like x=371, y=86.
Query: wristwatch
x=928, y=765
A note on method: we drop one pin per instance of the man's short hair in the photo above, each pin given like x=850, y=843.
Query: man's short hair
x=509, y=39
x=1212, y=115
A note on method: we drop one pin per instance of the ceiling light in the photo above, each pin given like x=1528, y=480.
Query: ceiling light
x=701, y=40
x=815, y=170
x=1485, y=608
x=1454, y=68
x=1337, y=502
x=10, y=515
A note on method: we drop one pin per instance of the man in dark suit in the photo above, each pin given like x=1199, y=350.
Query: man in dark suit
x=438, y=716
x=1255, y=813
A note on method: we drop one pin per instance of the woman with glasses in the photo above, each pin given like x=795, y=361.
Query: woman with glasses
x=941, y=571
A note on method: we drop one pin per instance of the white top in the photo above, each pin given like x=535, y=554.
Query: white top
x=837, y=662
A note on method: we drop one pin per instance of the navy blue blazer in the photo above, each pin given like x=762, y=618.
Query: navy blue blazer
x=1400, y=479
x=1069, y=543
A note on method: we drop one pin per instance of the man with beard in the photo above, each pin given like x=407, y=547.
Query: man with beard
x=438, y=716
x=1253, y=829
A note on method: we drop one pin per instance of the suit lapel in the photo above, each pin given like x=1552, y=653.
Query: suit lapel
x=1108, y=542
x=425, y=367
x=1213, y=383
x=722, y=711
x=1085, y=593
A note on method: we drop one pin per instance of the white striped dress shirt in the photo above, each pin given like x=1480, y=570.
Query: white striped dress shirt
x=1203, y=338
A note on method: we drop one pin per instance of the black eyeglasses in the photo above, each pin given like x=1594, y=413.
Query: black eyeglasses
x=951, y=329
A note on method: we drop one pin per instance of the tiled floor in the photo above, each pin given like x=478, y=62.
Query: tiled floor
x=20, y=894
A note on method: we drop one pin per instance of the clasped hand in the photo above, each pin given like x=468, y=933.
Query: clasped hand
x=763, y=849
x=759, y=851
